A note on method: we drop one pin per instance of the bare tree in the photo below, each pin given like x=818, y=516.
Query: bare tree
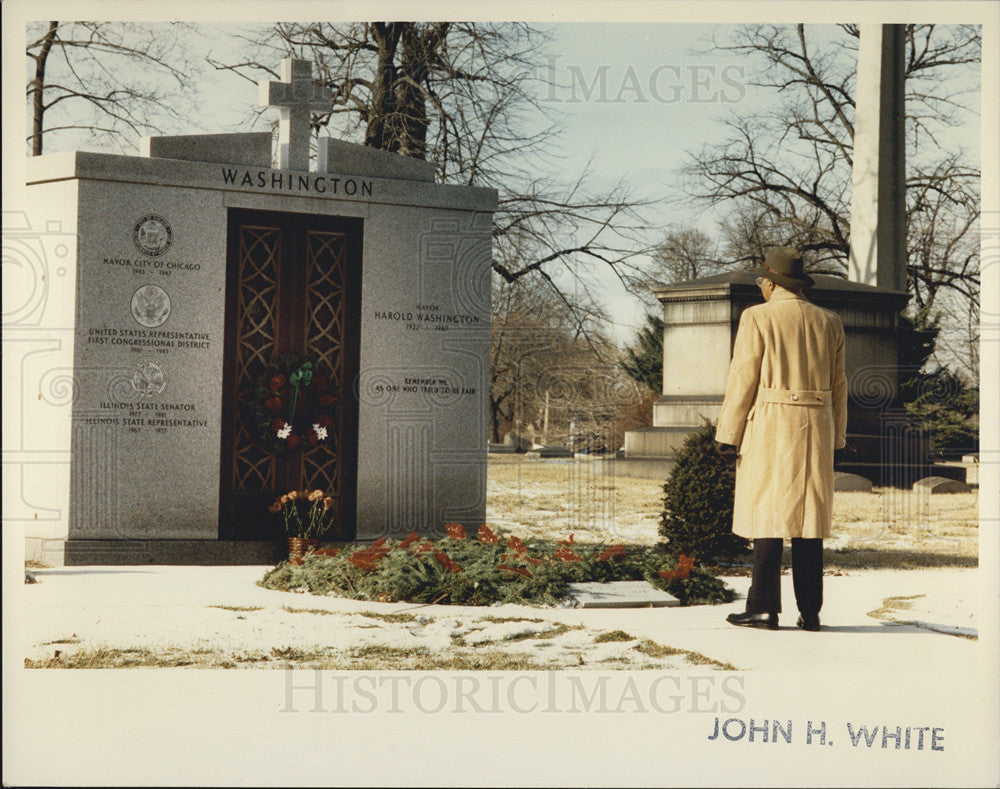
x=108, y=79
x=464, y=95
x=944, y=260
x=685, y=253
x=786, y=171
x=546, y=369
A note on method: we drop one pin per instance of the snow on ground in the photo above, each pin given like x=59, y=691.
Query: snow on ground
x=218, y=617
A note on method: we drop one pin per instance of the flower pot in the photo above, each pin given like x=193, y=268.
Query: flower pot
x=299, y=546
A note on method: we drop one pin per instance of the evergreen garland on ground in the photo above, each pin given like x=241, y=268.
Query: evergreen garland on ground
x=485, y=569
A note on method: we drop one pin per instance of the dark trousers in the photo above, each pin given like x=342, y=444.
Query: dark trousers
x=764, y=596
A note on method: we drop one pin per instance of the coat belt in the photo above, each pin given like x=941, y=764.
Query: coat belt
x=794, y=396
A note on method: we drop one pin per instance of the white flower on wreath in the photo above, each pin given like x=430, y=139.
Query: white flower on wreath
x=286, y=431
x=320, y=432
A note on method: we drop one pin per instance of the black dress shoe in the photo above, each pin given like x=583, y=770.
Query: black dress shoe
x=770, y=621
x=810, y=623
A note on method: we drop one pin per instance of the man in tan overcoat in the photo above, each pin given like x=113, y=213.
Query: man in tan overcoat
x=785, y=408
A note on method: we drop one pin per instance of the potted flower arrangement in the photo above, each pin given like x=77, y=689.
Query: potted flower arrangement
x=308, y=515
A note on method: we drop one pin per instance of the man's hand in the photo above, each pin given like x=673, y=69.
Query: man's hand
x=728, y=451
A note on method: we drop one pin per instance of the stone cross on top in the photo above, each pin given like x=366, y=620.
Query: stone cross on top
x=297, y=98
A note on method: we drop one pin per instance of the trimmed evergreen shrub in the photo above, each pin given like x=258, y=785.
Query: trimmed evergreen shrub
x=697, y=517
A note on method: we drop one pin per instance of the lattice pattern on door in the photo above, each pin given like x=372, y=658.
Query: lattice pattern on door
x=326, y=270
x=256, y=345
x=262, y=333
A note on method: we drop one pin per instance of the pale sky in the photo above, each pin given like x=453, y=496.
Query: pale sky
x=634, y=99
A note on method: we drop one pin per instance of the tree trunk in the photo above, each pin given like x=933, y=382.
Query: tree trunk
x=420, y=49
x=386, y=35
x=38, y=86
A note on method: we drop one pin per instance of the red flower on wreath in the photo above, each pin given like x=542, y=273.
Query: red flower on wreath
x=447, y=562
x=566, y=555
x=293, y=441
x=273, y=404
x=368, y=558
x=519, y=570
x=486, y=534
x=362, y=562
x=519, y=547
x=614, y=550
x=410, y=539
x=455, y=530
x=327, y=399
x=684, y=566
x=277, y=383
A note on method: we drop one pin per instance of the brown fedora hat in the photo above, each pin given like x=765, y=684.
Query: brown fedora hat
x=783, y=265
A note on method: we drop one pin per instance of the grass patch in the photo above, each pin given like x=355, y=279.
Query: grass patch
x=558, y=629
x=386, y=652
x=612, y=635
x=367, y=657
x=71, y=640
x=488, y=660
x=251, y=657
x=894, y=559
x=320, y=611
x=393, y=618
x=396, y=618
x=703, y=660
x=239, y=608
x=114, y=658
x=294, y=654
x=652, y=649
x=892, y=604
x=872, y=558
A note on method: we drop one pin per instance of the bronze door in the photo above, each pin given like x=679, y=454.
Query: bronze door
x=293, y=285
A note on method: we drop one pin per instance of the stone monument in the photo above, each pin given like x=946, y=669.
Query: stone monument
x=167, y=285
x=705, y=313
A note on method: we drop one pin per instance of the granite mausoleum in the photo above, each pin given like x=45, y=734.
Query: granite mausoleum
x=165, y=286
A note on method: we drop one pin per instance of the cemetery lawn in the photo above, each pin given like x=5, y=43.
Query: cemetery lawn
x=884, y=529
